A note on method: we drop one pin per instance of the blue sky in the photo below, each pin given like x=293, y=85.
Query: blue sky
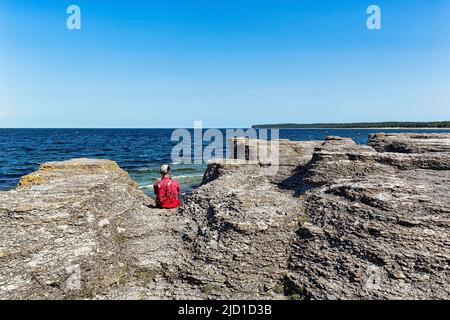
x=228, y=63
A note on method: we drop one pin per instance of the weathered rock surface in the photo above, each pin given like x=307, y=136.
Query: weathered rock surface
x=378, y=224
x=70, y=230
x=410, y=142
x=337, y=221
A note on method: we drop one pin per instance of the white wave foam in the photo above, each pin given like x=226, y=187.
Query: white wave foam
x=188, y=176
x=150, y=186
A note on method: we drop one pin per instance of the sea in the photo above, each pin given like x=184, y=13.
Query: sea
x=140, y=152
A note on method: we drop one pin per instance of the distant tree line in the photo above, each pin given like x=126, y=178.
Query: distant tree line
x=386, y=124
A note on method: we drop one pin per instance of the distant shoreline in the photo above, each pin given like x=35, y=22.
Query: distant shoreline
x=355, y=128
x=382, y=125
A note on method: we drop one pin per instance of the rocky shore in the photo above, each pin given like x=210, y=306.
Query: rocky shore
x=338, y=221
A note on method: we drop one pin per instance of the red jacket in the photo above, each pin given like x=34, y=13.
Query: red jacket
x=167, y=191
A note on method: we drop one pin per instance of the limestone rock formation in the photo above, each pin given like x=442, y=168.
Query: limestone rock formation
x=70, y=230
x=378, y=223
x=337, y=221
x=410, y=142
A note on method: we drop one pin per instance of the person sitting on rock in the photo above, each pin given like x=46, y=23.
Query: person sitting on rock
x=167, y=190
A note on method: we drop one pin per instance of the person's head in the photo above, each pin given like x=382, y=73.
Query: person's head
x=165, y=170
